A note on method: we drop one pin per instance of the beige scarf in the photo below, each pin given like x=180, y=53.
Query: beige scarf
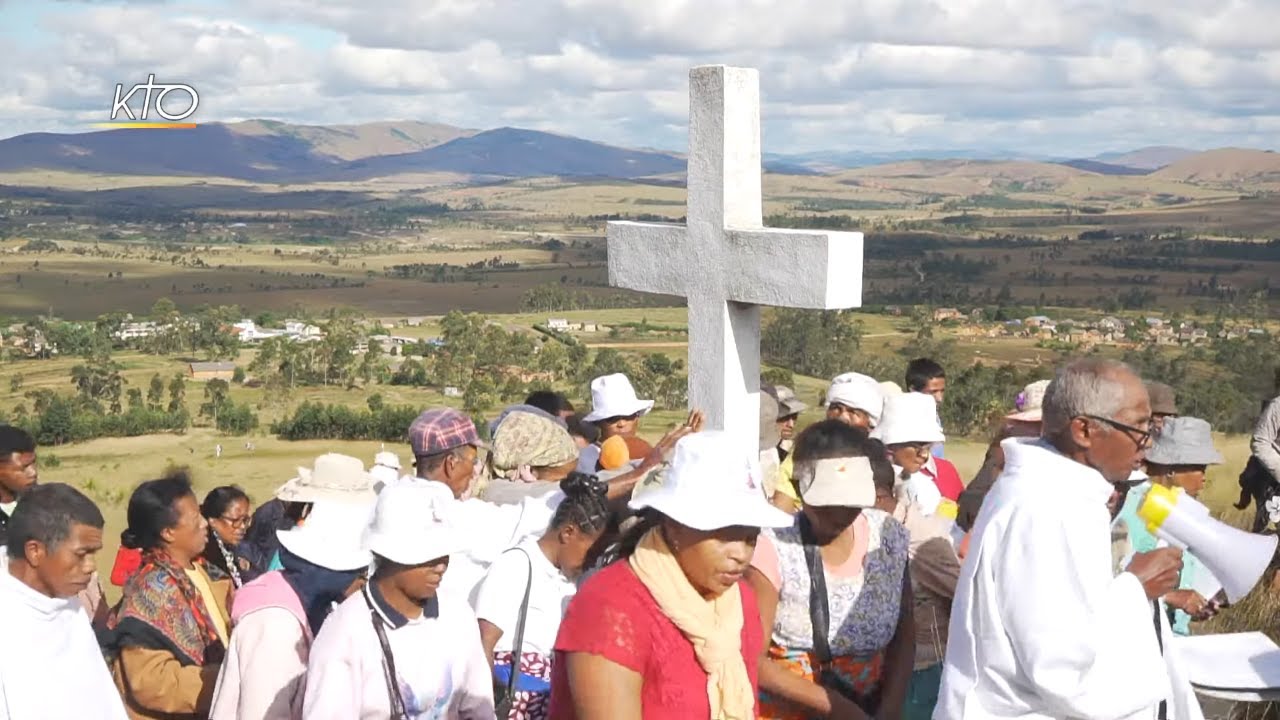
x=714, y=627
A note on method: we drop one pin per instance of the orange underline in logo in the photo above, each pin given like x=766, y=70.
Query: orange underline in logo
x=147, y=125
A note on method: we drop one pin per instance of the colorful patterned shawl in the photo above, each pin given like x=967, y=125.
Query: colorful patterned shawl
x=162, y=609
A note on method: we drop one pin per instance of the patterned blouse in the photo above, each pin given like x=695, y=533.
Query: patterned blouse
x=864, y=610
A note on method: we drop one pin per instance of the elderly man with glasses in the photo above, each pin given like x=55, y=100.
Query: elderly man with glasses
x=1042, y=626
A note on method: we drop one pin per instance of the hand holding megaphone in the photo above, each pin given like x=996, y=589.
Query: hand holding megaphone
x=1235, y=558
x=1158, y=570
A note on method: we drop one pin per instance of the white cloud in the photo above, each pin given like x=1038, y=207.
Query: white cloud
x=1055, y=76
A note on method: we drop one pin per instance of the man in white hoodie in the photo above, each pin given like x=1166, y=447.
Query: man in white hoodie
x=50, y=664
x=1041, y=627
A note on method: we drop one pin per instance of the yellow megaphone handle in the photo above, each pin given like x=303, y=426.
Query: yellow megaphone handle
x=1157, y=505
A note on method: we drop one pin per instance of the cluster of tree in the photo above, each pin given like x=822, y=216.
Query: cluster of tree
x=1233, y=378
x=317, y=421
x=55, y=419
x=40, y=245
x=552, y=297
x=655, y=376
x=227, y=415
x=283, y=364
x=448, y=272
x=819, y=343
x=1249, y=251
x=205, y=333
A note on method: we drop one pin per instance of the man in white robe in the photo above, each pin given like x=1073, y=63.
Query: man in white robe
x=50, y=664
x=1041, y=627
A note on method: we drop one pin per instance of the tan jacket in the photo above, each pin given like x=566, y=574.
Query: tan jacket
x=155, y=685
x=934, y=569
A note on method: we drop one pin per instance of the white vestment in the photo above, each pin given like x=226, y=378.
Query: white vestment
x=1041, y=627
x=490, y=529
x=50, y=664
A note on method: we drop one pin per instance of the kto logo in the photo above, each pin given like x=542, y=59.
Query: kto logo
x=173, y=120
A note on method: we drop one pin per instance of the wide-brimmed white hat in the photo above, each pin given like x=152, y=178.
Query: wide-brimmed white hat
x=411, y=524
x=613, y=396
x=334, y=478
x=1030, y=403
x=713, y=482
x=910, y=417
x=858, y=392
x=331, y=536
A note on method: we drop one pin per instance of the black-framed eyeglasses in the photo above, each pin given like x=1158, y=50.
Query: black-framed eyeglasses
x=242, y=521
x=1143, y=438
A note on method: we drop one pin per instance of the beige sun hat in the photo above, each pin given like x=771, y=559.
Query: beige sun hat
x=333, y=478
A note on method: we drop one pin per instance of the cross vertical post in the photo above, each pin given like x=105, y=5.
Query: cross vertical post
x=725, y=262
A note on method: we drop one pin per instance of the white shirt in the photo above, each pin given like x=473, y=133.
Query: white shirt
x=1041, y=627
x=441, y=669
x=500, y=594
x=919, y=489
x=488, y=529
x=50, y=664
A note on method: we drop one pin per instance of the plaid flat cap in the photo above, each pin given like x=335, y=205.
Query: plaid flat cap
x=440, y=430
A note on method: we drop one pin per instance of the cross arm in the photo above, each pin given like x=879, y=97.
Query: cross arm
x=648, y=257
x=794, y=268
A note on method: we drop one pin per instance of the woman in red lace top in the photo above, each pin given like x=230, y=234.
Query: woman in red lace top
x=669, y=631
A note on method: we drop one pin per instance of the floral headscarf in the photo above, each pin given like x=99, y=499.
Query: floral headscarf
x=524, y=441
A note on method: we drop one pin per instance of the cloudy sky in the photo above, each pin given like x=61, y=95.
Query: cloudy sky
x=1058, y=77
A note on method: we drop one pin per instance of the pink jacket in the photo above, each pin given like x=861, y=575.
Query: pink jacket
x=264, y=673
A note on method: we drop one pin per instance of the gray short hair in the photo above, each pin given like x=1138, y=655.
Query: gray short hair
x=1092, y=386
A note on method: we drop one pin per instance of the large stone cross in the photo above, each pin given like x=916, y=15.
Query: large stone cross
x=725, y=262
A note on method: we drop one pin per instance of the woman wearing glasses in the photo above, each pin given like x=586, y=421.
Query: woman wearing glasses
x=228, y=511
x=909, y=429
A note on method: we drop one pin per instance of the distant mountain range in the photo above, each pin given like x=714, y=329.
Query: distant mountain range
x=274, y=152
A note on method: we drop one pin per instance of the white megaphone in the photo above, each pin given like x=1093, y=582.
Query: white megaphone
x=1235, y=557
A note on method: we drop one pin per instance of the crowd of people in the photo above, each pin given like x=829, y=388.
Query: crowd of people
x=569, y=569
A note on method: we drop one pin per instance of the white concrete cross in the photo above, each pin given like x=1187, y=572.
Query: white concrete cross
x=725, y=262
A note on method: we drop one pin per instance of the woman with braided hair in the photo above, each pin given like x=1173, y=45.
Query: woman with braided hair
x=228, y=511
x=546, y=569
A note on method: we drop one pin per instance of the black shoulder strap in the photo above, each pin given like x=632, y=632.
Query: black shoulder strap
x=819, y=614
x=518, y=644
x=388, y=663
x=1162, y=713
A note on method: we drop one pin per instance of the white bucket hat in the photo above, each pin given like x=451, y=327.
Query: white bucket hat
x=335, y=478
x=613, y=396
x=411, y=525
x=331, y=536
x=910, y=417
x=858, y=392
x=385, y=470
x=713, y=483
